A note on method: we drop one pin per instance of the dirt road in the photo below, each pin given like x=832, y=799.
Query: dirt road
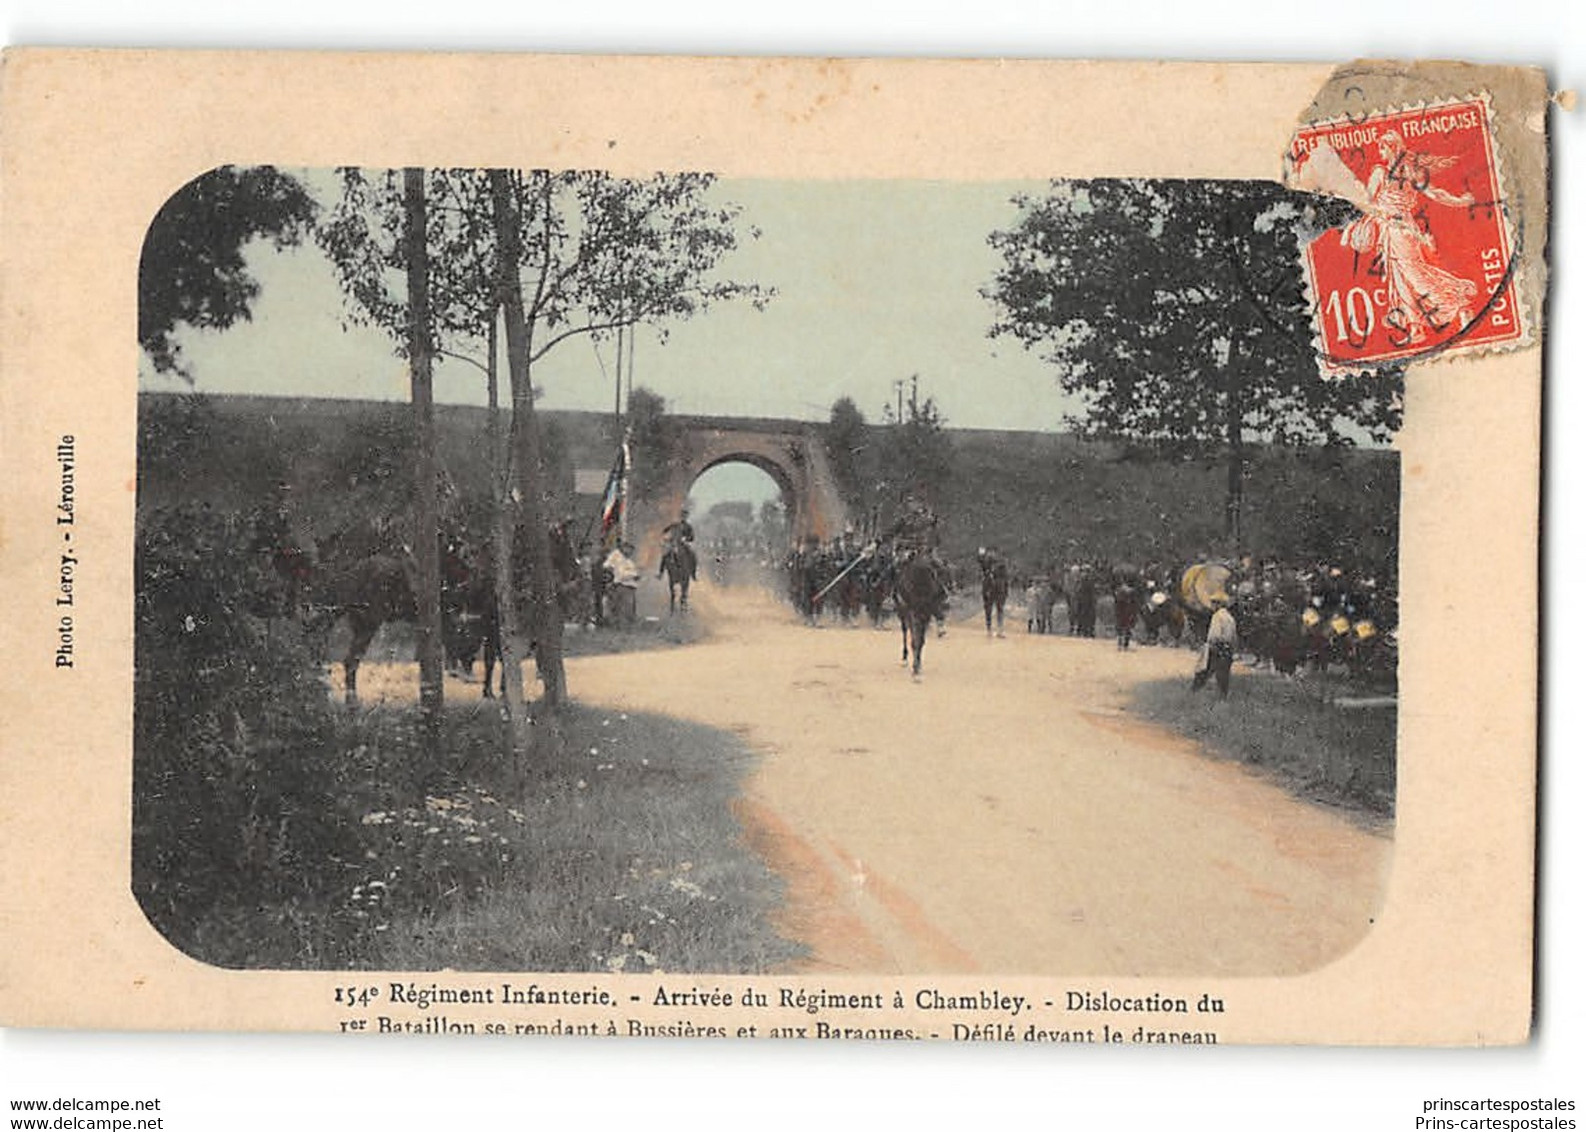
x=1002, y=815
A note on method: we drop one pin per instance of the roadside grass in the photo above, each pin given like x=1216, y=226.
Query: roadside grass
x=616, y=852
x=649, y=633
x=1317, y=750
x=397, y=639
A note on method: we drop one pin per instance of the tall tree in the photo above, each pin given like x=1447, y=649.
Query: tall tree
x=361, y=237
x=565, y=254
x=502, y=540
x=1175, y=310
x=193, y=271
x=601, y=253
x=773, y=528
x=916, y=454
x=849, y=453
x=650, y=438
x=525, y=446
x=432, y=662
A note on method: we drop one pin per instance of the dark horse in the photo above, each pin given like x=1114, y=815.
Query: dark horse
x=993, y=587
x=680, y=567
x=368, y=593
x=471, y=608
x=374, y=590
x=921, y=598
x=471, y=625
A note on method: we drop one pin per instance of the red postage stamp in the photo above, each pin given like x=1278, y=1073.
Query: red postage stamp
x=1426, y=265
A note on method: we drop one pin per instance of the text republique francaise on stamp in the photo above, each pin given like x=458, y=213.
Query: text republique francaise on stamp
x=1426, y=267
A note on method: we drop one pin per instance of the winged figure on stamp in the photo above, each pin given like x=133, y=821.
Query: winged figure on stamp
x=1423, y=297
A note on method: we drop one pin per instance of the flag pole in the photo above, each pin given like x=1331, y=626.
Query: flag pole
x=616, y=403
x=613, y=501
x=627, y=475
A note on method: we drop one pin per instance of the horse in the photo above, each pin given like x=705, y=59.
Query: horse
x=1160, y=612
x=368, y=593
x=993, y=586
x=680, y=567
x=819, y=572
x=379, y=588
x=470, y=603
x=807, y=577
x=921, y=598
x=471, y=626
x=793, y=567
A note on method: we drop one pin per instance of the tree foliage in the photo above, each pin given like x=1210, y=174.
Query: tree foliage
x=558, y=255
x=193, y=271
x=614, y=251
x=915, y=453
x=372, y=464
x=363, y=235
x=182, y=437
x=596, y=252
x=649, y=439
x=773, y=529
x=1175, y=310
x=232, y=789
x=849, y=453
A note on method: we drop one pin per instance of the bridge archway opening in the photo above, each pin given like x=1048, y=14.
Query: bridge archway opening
x=742, y=512
x=791, y=455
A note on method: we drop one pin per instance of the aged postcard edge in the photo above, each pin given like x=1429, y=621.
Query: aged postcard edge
x=1448, y=964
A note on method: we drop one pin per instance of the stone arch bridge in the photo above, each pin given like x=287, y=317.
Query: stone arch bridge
x=792, y=453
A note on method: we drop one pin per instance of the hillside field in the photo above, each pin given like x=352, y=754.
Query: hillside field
x=1041, y=497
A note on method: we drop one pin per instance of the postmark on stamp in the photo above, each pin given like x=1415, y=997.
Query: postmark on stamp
x=1426, y=265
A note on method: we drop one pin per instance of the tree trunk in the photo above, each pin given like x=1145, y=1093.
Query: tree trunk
x=513, y=747
x=426, y=535
x=1234, y=503
x=545, y=619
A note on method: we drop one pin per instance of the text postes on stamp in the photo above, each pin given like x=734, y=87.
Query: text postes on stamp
x=1426, y=265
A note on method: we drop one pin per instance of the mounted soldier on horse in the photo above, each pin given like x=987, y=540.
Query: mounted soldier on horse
x=993, y=584
x=921, y=589
x=679, y=563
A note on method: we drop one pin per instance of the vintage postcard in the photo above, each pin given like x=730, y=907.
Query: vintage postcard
x=770, y=548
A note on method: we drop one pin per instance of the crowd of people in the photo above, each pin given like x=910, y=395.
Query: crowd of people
x=1294, y=617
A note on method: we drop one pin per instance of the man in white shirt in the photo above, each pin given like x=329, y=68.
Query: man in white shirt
x=624, y=585
x=1217, y=658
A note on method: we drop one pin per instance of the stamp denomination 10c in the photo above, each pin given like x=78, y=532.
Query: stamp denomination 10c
x=1426, y=266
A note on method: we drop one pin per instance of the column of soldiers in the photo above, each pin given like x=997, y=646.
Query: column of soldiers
x=1295, y=617
x=843, y=579
x=850, y=579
